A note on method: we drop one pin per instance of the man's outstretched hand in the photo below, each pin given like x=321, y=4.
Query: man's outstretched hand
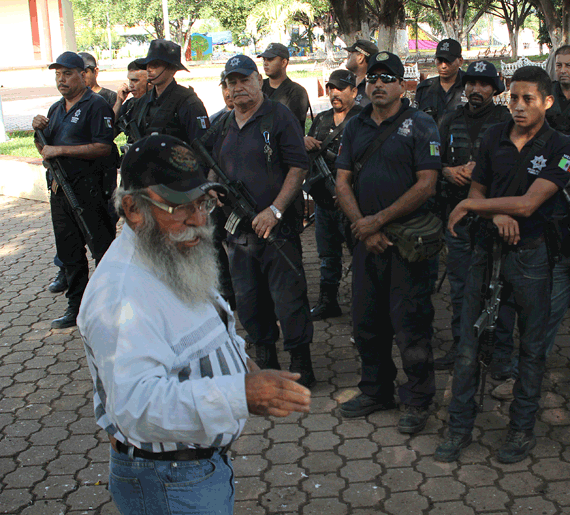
x=275, y=392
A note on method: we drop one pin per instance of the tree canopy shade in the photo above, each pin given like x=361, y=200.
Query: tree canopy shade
x=272, y=16
x=514, y=13
x=232, y=14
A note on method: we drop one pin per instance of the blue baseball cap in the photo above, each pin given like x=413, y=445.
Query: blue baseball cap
x=68, y=60
x=240, y=64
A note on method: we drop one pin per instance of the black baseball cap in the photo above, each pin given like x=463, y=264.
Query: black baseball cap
x=448, y=49
x=163, y=50
x=484, y=71
x=276, y=50
x=88, y=60
x=342, y=79
x=240, y=64
x=386, y=60
x=168, y=167
x=68, y=60
x=363, y=46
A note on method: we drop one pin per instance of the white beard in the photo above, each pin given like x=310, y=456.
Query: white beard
x=192, y=272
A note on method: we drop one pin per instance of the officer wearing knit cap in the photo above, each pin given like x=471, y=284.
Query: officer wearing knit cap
x=443, y=93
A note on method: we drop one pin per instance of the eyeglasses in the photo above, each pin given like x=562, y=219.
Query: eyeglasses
x=386, y=78
x=184, y=211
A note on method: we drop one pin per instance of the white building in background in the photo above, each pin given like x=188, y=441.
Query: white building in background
x=35, y=32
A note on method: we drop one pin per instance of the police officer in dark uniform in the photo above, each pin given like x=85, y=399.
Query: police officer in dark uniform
x=262, y=146
x=331, y=227
x=168, y=108
x=391, y=296
x=357, y=62
x=558, y=115
x=280, y=88
x=521, y=166
x=441, y=94
x=461, y=132
x=91, y=74
x=127, y=94
x=79, y=132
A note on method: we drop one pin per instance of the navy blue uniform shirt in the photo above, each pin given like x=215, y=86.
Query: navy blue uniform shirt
x=90, y=120
x=391, y=170
x=241, y=155
x=361, y=98
x=430, y=95
x=497, y=162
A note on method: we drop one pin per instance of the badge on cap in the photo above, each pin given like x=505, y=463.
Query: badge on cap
x=382, y=56
x=480, y=67
x=445, y=47
x=234, y=61
x=181, y=158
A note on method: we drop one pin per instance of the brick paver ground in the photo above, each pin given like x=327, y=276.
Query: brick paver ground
x=53, y=458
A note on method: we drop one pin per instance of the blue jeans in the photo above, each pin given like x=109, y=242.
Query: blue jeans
x=391, y=298
x=458, y=260
x=559, y=304
x=330, y=233
x=526, y=276
x=152, y=487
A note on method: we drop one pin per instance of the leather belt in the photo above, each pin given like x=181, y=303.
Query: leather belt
x=534, y=244
x=183, y=455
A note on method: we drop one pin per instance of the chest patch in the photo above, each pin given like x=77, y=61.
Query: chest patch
x=406, y=127
x=76, y=115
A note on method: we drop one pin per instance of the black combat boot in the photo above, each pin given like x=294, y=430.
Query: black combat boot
x=59, y=284
x=302, y=364
x=327, y=305
x=69, y=319
x=266, y=356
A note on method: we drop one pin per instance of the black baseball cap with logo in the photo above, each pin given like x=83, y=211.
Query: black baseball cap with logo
x=239, y=64
x=276, y=50
x=342, y=79
x=168, y=167
x=387, y=60
x=448, y=49
x=363, y=46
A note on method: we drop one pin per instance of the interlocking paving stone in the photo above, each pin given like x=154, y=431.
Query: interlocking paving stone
x=54, y=459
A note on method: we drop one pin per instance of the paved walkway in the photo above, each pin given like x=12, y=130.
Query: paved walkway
x=53, y=459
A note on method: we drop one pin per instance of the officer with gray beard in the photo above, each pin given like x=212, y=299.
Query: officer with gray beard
x=173, y=386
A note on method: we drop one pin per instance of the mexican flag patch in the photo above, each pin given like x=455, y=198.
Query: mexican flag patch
x=565, y=162
x=434, y=148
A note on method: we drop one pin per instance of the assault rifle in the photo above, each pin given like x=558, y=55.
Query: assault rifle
x=58, y=173
x=240, y=200
x=486, y=325
x=324, y=173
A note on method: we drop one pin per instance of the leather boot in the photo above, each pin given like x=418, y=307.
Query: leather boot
x=69, y=319
x=59, y=284
x=266, y=356
x=327, y=305
x=302, y=364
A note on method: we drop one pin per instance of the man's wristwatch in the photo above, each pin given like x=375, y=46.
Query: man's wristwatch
x=276, y=213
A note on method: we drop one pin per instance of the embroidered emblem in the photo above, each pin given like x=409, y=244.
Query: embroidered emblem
x=76, y=115
x=445, y=47
x=538, y=163
x=234, y=61
x=405, y=128
x=182, y=159
x=434, y=147
x=382, y=56
x=480, y=67
x=565, y=162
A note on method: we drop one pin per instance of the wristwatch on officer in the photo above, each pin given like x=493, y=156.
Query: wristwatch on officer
x=276, y=213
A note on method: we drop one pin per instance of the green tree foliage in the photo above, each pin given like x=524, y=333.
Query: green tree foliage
x=273, y=16
x=232, y=15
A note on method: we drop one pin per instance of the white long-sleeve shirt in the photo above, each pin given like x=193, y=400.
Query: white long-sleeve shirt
x=166, y=376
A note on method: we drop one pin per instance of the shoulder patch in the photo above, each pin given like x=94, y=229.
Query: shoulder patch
x=565, y=162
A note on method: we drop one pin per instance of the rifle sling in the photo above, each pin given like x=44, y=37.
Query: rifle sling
x=379, y=141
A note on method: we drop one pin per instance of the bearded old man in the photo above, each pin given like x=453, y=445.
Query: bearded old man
x=173, y=385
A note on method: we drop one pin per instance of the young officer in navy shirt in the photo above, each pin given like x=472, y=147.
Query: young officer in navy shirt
x=79, y=132
x=391, y=296
x=521, y=219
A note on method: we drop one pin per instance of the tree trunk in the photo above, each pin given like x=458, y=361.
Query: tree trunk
x=350, y=15
x=514, y=41
x=553, y=23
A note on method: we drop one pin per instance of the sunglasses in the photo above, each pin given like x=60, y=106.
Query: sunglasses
x=184, y=211
x=386, y=78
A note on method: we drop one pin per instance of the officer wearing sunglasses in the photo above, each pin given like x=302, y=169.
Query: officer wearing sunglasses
x=391, y=296
x=442, y=94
